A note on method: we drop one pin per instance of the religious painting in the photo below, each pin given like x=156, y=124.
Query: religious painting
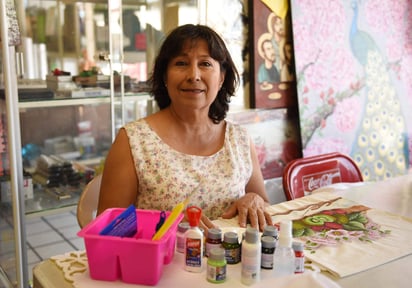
x=273, y=79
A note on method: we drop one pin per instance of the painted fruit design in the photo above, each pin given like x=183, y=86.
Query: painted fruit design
x=351, y=219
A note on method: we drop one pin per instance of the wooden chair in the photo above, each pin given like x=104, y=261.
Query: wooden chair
x=303, y=175
x=87, y=205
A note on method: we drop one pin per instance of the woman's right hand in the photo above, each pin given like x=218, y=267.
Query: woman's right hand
x=205, y=223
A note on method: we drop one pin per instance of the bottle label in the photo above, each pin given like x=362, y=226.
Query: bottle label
x=299, y=264
x=216, y=274
x=250, y=268
x=267, y=258
x=232, y=255
x=180, y=242
x=193, y=252
x=210, y=246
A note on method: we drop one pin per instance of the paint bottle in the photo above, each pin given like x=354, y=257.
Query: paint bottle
x=251, y=256
x=299, y=257
x=180, y=236
x=232, y=247
x=284, y=256
x=193, y=241
x=268, y=249
x=270, y=230
x=213, y=240
x=216, y=265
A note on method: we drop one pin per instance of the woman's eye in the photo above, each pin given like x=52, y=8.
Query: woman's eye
x=180, y=63
x=206, y=64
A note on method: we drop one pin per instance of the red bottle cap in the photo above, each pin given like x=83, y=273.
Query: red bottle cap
x=194, y=214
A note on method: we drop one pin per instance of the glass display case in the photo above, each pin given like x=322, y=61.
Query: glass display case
x=80, y=74
x=64, y=143
x=77, y=75
x=82, y=71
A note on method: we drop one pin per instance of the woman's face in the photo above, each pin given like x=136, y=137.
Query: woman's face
x=193, y=78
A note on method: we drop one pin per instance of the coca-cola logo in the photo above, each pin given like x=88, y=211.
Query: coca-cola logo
x=324, y=178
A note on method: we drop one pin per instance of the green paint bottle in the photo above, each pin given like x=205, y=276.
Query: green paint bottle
x=216, y=266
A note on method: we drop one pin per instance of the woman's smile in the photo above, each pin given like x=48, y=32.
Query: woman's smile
x=194, y=91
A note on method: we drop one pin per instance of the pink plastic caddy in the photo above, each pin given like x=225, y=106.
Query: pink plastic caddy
x=137, y=260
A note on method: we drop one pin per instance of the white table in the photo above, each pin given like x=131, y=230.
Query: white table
x=393, y=195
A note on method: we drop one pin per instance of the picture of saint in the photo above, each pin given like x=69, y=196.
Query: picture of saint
x=276, y=27
x=282, y=44
x=287, y=71
x=274, y=82
x=267, y=73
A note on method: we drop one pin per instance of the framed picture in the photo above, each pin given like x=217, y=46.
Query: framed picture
x=273, y=79
x=275, y=136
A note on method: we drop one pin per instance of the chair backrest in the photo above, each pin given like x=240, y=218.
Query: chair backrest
x=303, y=175
x=87, y=204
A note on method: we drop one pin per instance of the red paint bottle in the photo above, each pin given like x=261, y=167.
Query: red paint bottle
x=299, y=257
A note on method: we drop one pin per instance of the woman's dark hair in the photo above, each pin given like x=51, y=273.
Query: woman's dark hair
x=173, y=46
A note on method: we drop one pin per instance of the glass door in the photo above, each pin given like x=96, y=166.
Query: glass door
x=13, y=258
x=107, y=47
x=137, y=29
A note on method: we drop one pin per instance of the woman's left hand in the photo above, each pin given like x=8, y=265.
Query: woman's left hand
x=250, y=207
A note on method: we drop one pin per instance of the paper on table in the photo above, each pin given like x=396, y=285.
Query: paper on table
x=383, y=239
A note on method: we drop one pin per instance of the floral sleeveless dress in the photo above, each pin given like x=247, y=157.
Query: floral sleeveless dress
x=167, y=177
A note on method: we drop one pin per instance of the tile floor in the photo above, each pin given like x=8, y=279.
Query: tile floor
x=47, y=235
x=51, y=235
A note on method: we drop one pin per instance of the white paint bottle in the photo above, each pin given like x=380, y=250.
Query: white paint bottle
x=194, y=241
x=284, y=256
x=251, y=257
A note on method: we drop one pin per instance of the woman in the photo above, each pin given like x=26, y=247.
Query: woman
x=187, y=149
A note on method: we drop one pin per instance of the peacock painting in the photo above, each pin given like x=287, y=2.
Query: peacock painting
x=380, y=145
x=354, y=77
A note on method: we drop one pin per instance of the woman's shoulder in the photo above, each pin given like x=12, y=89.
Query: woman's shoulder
x=234, y=125
x=139, y=123
x=236, y=130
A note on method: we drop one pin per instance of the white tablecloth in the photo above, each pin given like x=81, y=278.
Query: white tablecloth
x=393, y=195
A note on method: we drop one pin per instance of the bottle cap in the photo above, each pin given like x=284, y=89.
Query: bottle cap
x=217, y=254
x=231, y=237
x=297, y=246
x=194, y=214
x=183, y=227
x=252, y=235
x=285, y=233
x=270, y=230
x=214, y=233
x=268, y=242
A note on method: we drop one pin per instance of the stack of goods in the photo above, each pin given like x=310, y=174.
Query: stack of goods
x=54, y=171
x=59, y=81
x=94, y=78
